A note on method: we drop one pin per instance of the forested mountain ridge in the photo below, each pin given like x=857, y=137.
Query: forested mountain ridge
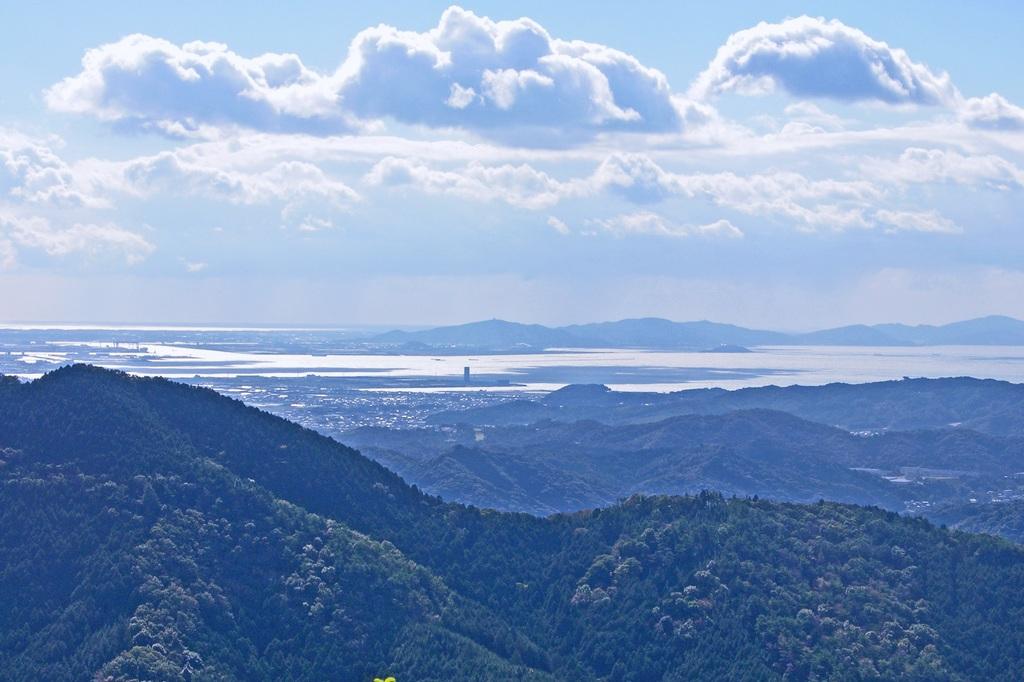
x=985, y=405
x=152, y=559
x=154, y=531
x=551, y=466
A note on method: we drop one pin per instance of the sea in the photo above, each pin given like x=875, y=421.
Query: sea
x=336, y=376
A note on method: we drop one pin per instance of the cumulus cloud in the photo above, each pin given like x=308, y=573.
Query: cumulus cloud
x=170, y=173
x=654, y=224
x=148, y=83
x=917, y=165
x=91, y=239
x=992, y=112
x=36, y=183
x=511, y=81
x=35, y=232
x=806, y=203
x=501, y=78
x=636, y=177
x=812, y=57
x=31, y=171
x=811, y=204
x=517, y=185
x=306, y=194
x=917, y=221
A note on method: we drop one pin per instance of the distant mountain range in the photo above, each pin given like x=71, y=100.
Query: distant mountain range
x=657, y=333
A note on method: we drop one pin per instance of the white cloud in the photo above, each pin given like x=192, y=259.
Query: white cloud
x=308, y=222
x=811, y=114
x=917, y=221
x=811, y=204
x=511, y=81
x=306, y=194
x=631, y=175
x=641, y=222
x=32, y=172
x=992, y=112
x=917, y=165
x=506, y=79
x=812, y=57
x=808, y=204
x=35, y=232
x=558, y=225
x=517, y=185
x=7, y=254
x=654, y=224
x=460, y=97
x=636, y=177
x=147, y=83
x=193, y=266
x=35, y=182
x=799, y=128
x=721, y=228
x=170, y=173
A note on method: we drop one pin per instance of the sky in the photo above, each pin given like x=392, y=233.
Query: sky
x=782, y=165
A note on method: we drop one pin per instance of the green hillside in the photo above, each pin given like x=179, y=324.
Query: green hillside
x=149, y=530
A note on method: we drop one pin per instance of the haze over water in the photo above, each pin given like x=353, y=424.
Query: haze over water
x=198, y=354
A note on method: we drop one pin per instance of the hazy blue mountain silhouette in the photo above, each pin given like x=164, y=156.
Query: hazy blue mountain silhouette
x=657, y=333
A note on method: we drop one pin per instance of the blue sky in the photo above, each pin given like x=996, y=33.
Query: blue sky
x=342, y=163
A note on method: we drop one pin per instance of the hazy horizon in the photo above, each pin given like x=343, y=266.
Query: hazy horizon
x=386, y=326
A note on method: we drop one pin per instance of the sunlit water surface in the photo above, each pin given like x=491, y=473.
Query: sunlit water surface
x=621, y=369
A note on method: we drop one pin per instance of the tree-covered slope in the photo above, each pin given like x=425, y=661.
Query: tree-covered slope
x=985, y=405
x=130, y=555
x=1003, y=518
x=204, y=574
x=153, y=531
x=553, y=466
